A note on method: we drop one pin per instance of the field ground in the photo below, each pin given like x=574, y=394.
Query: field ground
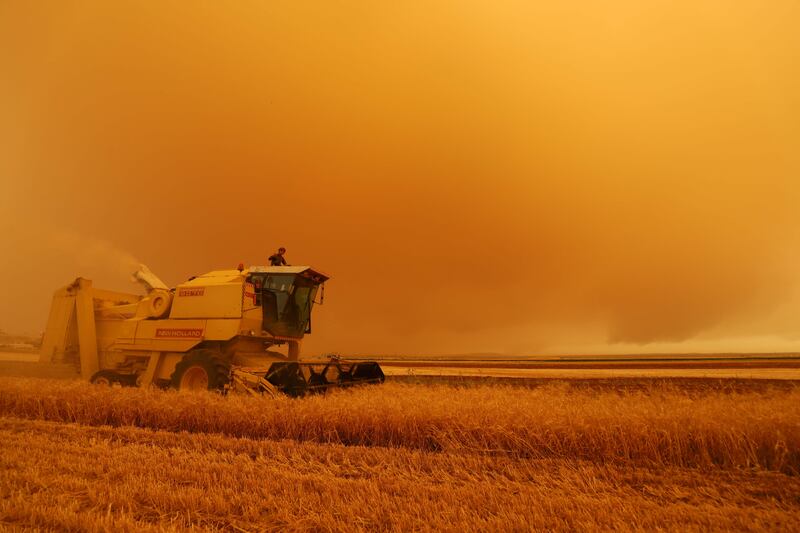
x=65, y=476
x=19, y=356
x=723, y=366
x=783, y=366
x=594, y=373
x=402, y=457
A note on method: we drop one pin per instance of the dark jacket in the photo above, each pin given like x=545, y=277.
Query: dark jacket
x=277, y=260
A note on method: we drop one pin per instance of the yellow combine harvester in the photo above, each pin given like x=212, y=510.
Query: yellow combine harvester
x=219, y=331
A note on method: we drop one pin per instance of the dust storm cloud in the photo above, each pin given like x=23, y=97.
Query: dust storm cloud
x=475, y=177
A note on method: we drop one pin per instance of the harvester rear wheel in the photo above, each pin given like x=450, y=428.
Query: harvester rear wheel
x=107, y=378
x=104, y=378
x=201, y=370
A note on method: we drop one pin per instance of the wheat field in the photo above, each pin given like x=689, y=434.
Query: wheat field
x=398, y=458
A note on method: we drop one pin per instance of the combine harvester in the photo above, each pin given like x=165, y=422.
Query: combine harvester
x=220, y=331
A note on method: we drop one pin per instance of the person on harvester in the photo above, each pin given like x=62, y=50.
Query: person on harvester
x=277, y=259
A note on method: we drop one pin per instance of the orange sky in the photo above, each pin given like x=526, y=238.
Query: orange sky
x=476, y=176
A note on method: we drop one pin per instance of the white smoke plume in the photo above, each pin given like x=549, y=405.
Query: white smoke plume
x=93, y=257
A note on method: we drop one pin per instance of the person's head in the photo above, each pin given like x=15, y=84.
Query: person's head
x=281, y=250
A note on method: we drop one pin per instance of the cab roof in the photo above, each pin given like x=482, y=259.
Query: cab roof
x=227, y=276
x=306, y=271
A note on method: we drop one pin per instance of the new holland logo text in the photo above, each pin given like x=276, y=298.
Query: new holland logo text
x=194, y=291
x=179, y=333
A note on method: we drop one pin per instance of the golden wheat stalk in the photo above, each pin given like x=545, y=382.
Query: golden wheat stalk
x=659, y=426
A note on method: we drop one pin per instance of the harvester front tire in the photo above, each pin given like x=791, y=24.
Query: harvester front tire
x=201, y=370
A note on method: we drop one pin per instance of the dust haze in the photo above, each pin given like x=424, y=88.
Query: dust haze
x=504, y=178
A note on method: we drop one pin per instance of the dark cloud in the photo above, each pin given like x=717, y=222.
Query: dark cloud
x=493, y=178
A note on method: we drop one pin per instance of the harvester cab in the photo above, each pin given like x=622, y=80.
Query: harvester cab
x=286, y=296
x=223, y=330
